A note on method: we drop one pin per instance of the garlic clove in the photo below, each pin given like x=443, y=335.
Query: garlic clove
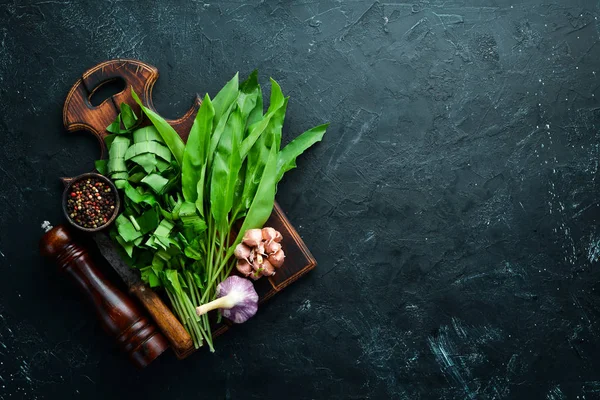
x=260, y=249
x=268, y=234
x=252, y=237
x=272, y=247
x=244, y=267
x=267, y=268
x=242, y=251
x=276, y=259
x=278, y=237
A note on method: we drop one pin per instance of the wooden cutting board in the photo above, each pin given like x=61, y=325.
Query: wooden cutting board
x=80, y=115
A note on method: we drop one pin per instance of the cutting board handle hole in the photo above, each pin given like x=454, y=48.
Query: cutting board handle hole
x=106, y=90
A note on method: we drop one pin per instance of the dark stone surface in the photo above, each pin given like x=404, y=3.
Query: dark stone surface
x=452, y=205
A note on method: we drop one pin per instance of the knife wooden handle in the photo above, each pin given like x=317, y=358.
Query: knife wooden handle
x=180, y=340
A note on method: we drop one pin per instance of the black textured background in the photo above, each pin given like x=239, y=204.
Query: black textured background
x=452, y=205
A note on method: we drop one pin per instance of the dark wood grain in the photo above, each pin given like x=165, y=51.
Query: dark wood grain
x=118, y=315
x=80, y=114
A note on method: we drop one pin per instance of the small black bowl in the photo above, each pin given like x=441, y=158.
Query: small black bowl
x=113, y=189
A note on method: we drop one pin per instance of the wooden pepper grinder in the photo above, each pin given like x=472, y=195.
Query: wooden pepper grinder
x=119, y=316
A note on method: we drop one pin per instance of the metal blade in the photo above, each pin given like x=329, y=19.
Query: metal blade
x=109, y=252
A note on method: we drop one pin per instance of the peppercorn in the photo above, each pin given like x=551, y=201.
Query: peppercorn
x=87, y=207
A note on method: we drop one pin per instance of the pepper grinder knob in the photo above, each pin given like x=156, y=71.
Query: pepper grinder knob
x=46, y=226
x=118, y=314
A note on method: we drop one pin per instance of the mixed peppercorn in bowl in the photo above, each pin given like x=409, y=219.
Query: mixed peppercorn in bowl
x=90, y=202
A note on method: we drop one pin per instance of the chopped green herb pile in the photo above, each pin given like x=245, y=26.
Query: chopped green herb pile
x=182, y=200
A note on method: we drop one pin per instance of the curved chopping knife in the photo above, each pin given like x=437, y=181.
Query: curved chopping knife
x=175, y=333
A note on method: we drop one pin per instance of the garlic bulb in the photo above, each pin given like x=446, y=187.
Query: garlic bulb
x=260, y=253
x=236, y=298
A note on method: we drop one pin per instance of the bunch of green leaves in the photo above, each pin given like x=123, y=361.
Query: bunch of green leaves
x=181, y=201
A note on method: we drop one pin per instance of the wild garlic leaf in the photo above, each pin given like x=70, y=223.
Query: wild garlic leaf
x=162, y=165
x=136, y=197
x=248, y=96
x=158, y=264
x=128, y=117
x=173, y=180
x=196, y=149
x=148, y=221
x=101, y=166
x=156, y=182
x=119, y=175
x=225, y=98
x=273, y=130
x=136, y=177
x=168, y=134
x=182, y=281
x=287, y=156
x=116, y=161
x=274, y=119
x=257, y=112
x=225, y=168
x=216, y=136
x=277, y=98
x=190, y=218
x=192, y=253
x=200, y=188
x=147, y=134
x=118, y=147
x=108, y=139
x=198, y=280
x=251, y=83
x=126, y=229
x=176, y=208
x=255, y=164
x=115, y=126
x=147, y=161
x=171, y=278
x=116, y=165
x=264, y=199
x=149, y=276
x=127, y=246
x=164, y=229
x=148, y=147
x=125, y=121
x=238, y=192
x=254, y=132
